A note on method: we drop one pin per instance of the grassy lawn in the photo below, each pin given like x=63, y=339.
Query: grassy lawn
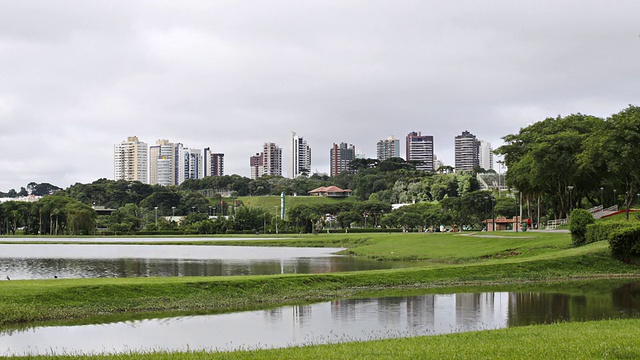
x=609, y=339
x=270, y=202
x=634, y=216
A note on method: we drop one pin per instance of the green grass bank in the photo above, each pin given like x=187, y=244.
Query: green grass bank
x=446, y=261
x=608, y=339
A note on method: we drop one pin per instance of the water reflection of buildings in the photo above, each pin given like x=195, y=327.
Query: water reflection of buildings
x=433, y=313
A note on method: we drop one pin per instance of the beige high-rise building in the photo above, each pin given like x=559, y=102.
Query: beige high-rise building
x=268, y=162
x=130, y=160
x=164, y=163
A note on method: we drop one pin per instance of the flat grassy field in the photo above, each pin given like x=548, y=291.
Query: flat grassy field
x=270, y=202
x=608, y=339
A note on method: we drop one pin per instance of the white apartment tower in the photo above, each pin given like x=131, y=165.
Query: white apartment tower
x=300, y=156
x=389, y=148
x=486, y=155
x=130, y=160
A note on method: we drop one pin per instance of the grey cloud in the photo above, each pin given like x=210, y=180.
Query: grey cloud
x=233, y=75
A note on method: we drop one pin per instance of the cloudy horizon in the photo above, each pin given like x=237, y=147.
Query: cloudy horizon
x=78, y=77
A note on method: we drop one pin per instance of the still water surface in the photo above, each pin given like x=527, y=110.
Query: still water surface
x=328, y=322
x=46, y=261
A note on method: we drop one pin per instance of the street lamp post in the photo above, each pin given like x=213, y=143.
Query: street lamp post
x=173, y=212
x=277, y=208
x=570, y=187
x=517, y=208
x=156, y=209
x=486, y=212
x=493, y=214
x=602, y=197
x=615, y=200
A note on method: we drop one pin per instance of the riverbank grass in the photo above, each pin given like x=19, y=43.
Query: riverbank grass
x=607, y=339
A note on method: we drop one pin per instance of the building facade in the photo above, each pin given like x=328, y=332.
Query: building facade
x=268, y=162
x=341, y=157
x=485, y=155
x=466, y=152
x=192, y=164
x=257, y=168
x=420, y=150
x=213, y=163
x=130, y=160
x=300, y=156
x=388, y=148
x=166, y=163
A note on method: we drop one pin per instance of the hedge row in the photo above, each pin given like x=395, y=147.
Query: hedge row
x=578, y=222
x=625, y=243
x=601, y=231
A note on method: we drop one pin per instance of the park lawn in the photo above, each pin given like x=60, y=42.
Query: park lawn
x=633, y=217
x=270, y=202
x=606, y=339
x=458, y=247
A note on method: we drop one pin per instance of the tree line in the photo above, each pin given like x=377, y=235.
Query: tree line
x=575, y=161
x=454, y=197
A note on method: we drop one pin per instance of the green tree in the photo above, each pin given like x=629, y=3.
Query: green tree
x=543, y=159
x=81, y=218
x=346, y=218
x=614, y=152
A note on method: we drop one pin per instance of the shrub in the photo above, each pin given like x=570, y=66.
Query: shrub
x=578, y=222
x=625, y=243
x=601, y=231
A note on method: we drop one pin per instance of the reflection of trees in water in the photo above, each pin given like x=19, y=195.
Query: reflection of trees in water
x=627, y=297
x=135, y=267
x=544, y=308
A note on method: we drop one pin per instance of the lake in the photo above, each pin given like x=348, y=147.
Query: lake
x=47, y=261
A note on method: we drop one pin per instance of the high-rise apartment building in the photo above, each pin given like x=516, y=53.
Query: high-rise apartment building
x=466, y=151
x=192, y=164
x=485, y=155
x=257, y=165
x=166, y=163
x=272, y=159
x=268, y=162
x=389, y=148
x=213, y=163
x=300, y=156
x=130, y=160
x=420, y=150
x=340, y=158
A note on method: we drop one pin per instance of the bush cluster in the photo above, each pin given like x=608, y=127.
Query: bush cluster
x=625, y=243
x=601, y=231
x=578, y=222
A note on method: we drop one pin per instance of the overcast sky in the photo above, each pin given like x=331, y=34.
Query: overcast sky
x=77, y=77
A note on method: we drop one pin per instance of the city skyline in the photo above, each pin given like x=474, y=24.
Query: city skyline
x=78, y=77
x=171, y=163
